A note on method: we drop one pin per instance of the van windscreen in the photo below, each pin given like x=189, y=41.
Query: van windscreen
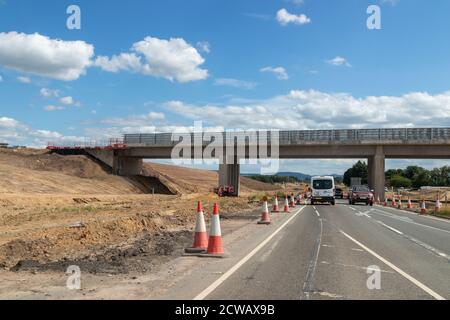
x=322, y=184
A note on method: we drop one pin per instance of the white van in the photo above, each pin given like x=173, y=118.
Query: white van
x=322, y=190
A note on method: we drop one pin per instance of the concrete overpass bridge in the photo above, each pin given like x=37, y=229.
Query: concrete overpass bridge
x=375, y=145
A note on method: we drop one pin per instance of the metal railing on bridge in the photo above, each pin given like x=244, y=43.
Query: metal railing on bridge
x=304, y=136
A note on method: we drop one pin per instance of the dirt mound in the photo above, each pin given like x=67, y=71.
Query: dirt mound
x=188, y=180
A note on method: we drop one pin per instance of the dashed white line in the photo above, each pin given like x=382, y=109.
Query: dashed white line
x=400, y=271
x=233, y=269
x=389, y=215
x=389, y=227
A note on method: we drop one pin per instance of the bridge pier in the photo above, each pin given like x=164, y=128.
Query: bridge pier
x=229, y=175
x=376, y=171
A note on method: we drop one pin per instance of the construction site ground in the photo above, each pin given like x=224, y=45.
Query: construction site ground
x=60, y=211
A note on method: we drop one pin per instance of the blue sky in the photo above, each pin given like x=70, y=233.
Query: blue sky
x=141, y=66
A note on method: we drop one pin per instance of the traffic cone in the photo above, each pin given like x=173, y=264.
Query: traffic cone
x=265, y=217
x=276, y=207
x=215, y=234
x=394, y=202
x=292, y=202
x=286, y=205
x=423, y=208
x=385, y=202
x=201, y=237
x=409, y=203
x=437, y=206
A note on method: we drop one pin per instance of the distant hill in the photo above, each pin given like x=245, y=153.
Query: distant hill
x=300, y=176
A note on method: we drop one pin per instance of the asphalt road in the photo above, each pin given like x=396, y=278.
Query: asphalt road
x=332, y=252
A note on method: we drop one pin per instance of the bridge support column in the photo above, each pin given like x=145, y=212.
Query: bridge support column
x=229, y=175
x=125, y=166
x=376, y=168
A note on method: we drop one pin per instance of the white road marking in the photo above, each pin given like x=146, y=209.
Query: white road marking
x=353, y=266
x=397, y=269
x=353, y=209
x=387, y=214
x=389, y=227
x=418, y=242
x=318, y=214
x=415, y=214
x=332, y=246
x=233, y=269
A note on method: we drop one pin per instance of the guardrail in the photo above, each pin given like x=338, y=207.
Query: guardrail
x=298, y=137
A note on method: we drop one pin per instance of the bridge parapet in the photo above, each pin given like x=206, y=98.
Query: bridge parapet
x=286, y=138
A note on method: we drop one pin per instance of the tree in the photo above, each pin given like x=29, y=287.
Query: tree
x=398, y=181
x=359, y=170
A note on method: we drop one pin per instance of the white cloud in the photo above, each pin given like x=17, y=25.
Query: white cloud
x=47, y=93
x=50, y=108
x=23, y=79
x=235, y=83
x=137, y=120
x=173, y=59
x=285, y=18
x=339, y=62
x=124, y=61
x=319, y=110
x=280, y=72
x=204, y=46
x=67, y=100
x=6, y=122
x=40, y=55
x=1, y=78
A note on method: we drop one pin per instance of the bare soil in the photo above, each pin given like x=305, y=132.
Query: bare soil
x=57, y=211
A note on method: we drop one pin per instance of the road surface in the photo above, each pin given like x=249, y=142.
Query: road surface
x=330, y=252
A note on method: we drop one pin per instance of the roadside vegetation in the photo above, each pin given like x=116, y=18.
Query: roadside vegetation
x=411, y=177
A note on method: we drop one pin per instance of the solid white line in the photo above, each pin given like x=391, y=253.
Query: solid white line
x=318, y=214
x=400, y=271
x=353, y=209
x=227, y=274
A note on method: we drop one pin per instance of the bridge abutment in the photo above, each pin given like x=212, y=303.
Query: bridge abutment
x=126, y=166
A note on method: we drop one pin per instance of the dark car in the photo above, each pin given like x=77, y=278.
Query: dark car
x=361, y=194
x=339, y=193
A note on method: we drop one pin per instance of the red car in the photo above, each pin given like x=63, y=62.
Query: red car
x=361, y=194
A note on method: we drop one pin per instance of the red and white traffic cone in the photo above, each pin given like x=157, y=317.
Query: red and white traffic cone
x=286, y=205
x=276, y=207
x=385, y=202
x=201, y=237
x=409, y=203
x=292, y=202
x=215, y=234
x=423, y=208
x=265, y=217
x=437, y=206
x=394, y=202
